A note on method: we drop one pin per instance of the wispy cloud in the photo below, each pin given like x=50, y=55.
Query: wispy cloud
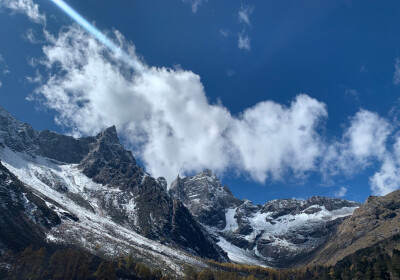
x=396, y=75
x=230, y=72
x=352, y=93
x=341, y=192
x=244, y=18
x=244, y=14
x=27, y=7
x=30, y=35
x=194, y=4
x=3, y=66
x=244, y=42
x=224, y=33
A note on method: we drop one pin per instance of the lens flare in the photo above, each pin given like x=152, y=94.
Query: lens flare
x=134, y=63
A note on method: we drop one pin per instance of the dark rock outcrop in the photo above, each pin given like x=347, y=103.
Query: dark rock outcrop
x=24, y=217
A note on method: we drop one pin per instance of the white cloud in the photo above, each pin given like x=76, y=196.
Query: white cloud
x=396, y=75
x=3, y=67
x=363, y=142
x=1, y=84
x=194, y=4
x=387, y=179
x=165, y=117
x=27, y=7
x=341, y=192
x=244, y=42
x=272, y=139
x=244, y=14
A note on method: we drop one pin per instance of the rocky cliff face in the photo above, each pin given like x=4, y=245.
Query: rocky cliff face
x=96, y=175
x=377, y=219
x=280, y=233
x=205, y=197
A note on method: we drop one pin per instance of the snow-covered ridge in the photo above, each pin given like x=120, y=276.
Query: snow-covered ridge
x=270, y=234
x=94, y=230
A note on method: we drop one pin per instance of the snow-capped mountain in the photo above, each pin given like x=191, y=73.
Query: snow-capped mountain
x=89, y=192
x=106, y=203
x=280, y=233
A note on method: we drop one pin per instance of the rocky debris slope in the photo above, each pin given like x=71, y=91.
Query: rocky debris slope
x=280, y=233
x=377, y=219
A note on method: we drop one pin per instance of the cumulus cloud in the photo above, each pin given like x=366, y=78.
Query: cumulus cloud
x=396, y=75
x=165, y=116
x=244, y=42
x=387, y=179
x=341, y=192
x=273, y=139
x=194, y=4
x=362, y=142
x=27, y=7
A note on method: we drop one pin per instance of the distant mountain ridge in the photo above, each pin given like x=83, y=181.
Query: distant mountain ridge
x=280, y=233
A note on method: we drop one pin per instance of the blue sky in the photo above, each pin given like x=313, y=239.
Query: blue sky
x=226, y=76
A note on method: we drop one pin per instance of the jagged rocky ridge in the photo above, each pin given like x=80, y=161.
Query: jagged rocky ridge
x=97, y=184
x=280, y=233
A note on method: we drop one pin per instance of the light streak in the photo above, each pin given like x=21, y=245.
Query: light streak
x=98, y=35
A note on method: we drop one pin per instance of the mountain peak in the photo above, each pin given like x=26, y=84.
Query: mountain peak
x=205, y=197
x=109, y=134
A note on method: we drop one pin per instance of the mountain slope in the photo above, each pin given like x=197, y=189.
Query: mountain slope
x=377, y=219
x=24, y=217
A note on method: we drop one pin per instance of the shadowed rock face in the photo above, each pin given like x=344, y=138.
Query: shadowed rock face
x=377, y=219
x=24, y=217
x=132, y=198
x=107, y=162
x=63, y=148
